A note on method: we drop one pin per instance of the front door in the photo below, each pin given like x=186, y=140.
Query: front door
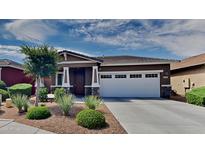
x=79, y=81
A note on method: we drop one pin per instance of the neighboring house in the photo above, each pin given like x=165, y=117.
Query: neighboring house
x=12, y=73
x=187, y=74
x=114, y=76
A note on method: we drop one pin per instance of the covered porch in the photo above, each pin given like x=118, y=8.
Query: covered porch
x=78, y=80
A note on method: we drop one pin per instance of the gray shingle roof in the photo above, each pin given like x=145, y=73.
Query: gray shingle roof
x=7, y=62
x=189, y=62
x=109, y=60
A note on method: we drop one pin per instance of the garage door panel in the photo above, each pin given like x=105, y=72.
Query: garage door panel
x=130, y=87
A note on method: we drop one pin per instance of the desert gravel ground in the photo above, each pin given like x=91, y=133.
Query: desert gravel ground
x=61, y=124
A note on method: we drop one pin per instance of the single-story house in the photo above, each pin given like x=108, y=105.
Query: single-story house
x=112, y=76
x=12, y=73
x=187, y=74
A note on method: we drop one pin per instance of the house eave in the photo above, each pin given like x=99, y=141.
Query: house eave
x=187, y=67
x=16, y=67
x=129, y=64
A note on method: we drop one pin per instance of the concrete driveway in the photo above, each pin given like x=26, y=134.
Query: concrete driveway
x=157, y=116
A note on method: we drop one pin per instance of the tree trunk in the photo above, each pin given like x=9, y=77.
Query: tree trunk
x=37, y=90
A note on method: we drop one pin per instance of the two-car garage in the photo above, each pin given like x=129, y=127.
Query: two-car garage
x=130, y=84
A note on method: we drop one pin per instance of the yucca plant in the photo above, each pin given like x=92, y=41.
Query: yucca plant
x=20, y=101
x=65, y=103
x=92, y=102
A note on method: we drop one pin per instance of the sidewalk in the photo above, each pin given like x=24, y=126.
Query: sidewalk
x=11, y=127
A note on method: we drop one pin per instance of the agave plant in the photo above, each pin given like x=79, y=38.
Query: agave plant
x=92, y=102
x=58, y=93
x=26, y=104
x=65, y=103
x=20, y=101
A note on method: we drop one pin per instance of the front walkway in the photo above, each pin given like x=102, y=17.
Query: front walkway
x=11, y=127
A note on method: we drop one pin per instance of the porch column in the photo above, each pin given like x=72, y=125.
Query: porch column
x=95, y=81
x=0, y=73
x=66, y=78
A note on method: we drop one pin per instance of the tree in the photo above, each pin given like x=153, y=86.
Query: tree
x=40, y=61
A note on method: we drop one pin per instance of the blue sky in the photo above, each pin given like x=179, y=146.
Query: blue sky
x=172, y=39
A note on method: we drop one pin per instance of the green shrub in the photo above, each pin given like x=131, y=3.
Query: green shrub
x=43, y=92
x=21, y=102
x=90, y=119
x=59, y=92
x=39, y=112
x=2, y=85
x=92, y=102
x=65, y=103
x=4, y=94
x=22, y=88
x=196, y=96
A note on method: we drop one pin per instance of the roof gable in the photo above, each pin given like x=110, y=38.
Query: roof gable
x=73, y=56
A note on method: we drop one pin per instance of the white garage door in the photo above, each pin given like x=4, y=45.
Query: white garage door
x=130, y=84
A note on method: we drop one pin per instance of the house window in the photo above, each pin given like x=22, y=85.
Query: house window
x=120, y=76
x=135, y=75
x=106, y=76
x=151, y=75
x=59, y=79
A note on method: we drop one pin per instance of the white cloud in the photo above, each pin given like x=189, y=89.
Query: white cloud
x=182, y=37
x=30, y=30
x=11, y=51
x=185, y=38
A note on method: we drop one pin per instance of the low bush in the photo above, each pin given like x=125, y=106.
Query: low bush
x=65, y=103
x=21, y=102
x=39, y=112
x=4, y=94
x=2, y=85
x=90, y=119
x=92, y=102
x=22, y=88
x=43, y=92
x=196, y=96
x=59, y=92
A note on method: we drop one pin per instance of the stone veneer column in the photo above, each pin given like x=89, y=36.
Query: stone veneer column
x=95, y=81
x=66, y=78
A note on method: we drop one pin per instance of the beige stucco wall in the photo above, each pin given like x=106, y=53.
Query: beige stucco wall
x=195, y=75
